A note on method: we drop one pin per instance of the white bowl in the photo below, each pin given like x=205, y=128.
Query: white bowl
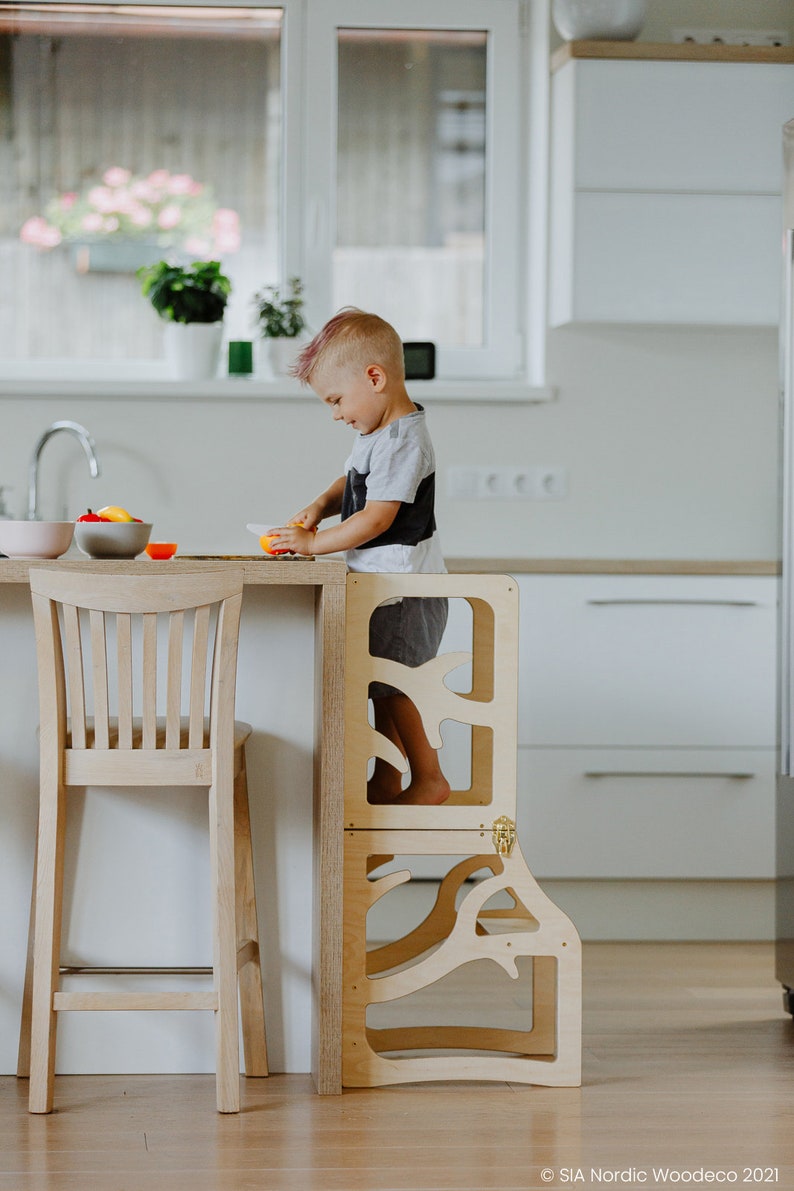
x=613, y=20
x=35, y=539
x=112, y=539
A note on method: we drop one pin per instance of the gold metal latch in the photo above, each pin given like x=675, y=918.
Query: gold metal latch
x=503, y=835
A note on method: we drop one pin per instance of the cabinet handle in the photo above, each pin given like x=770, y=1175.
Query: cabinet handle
x=665, y=773
x=704, y=603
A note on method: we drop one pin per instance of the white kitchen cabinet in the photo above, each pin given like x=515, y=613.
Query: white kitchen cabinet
x=704, y=814
x=665, y=191
x=647, y=661
x=646, y=726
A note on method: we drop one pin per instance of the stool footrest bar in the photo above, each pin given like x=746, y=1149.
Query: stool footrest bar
x=93, y=1001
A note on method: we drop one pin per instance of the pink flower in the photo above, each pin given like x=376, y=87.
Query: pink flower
x=102, y=198
x=145, y=192
x=37, y=231
x=93, y=222
x=158, y=178
x=180, y=184
x=140, y=216
x=110, y=224
x=225, y=218
x=116, y=176
x=125, y=203
x=169, y=217
x=68, y=200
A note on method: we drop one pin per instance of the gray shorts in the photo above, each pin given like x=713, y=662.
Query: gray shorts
x=409, y=632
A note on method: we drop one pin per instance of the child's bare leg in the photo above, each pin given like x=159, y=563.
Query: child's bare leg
x=385, y=785
x=428, y=785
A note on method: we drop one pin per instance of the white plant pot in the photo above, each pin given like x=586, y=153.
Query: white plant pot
x=599, y=20
x=193, y=350
x=277, y=355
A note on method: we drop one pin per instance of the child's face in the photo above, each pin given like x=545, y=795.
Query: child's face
x=354, y=396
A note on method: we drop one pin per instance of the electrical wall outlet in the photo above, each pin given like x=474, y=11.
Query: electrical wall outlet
x=499, y=482
x=748, y=37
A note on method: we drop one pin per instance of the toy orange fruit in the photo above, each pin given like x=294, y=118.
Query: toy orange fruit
x=161, y=550
x=266, y=541
x=267, y=538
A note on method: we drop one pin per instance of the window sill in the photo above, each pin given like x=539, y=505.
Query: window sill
x=158, y=388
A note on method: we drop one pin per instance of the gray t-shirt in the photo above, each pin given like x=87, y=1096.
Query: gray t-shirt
x=396, y=463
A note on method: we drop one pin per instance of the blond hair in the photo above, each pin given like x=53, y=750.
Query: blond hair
x=352, y=339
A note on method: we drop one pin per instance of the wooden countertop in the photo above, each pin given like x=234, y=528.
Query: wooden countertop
x=651, y=51
x=313, y=572
x=610, y=566
x=259, y=569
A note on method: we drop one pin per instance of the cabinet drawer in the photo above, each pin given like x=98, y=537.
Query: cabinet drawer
x=671, y=258
x=691, y=813
x=675, y=125
x=651, y=661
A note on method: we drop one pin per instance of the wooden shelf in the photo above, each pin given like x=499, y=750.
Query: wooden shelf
x=610, y=566
x=651, y=51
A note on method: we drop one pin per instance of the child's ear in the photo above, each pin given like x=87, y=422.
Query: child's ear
x=376, y=377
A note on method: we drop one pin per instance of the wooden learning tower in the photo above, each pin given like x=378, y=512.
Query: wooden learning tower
x=487, y=942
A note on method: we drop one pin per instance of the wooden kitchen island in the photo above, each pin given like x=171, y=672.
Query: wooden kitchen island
x=298, y=579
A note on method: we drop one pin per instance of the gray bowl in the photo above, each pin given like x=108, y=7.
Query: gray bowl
x=112, y=539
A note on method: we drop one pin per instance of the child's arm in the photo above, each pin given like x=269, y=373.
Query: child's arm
x=327, y=504
x=361, y=527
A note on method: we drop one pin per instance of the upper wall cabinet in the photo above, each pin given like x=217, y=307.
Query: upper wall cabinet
x=665, y=191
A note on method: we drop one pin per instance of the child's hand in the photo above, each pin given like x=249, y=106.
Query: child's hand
x=310, y=517
x=293, y=538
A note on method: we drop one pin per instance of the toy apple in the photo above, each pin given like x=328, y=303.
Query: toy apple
x=90, y=515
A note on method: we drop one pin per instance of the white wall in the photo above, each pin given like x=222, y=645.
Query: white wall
x=669, y=436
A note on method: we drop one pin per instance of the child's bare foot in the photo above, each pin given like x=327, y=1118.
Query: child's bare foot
x=382, y=793
x=385, y=786
x=430, y=792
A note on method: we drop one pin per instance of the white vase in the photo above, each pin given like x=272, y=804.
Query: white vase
x=278, y=355
x=193, y=350
x=599, y=20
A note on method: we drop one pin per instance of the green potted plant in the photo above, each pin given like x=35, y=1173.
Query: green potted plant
x=281, y=323
x=192, y=301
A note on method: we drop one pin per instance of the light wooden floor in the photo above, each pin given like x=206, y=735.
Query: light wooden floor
x=687, y=1067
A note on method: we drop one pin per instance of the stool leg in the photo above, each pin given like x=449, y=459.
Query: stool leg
x=221, y=809
x=23, y=1053
x=252, y=1009
x=47, y=943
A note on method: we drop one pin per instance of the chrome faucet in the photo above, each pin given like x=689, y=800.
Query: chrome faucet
x=85, y=440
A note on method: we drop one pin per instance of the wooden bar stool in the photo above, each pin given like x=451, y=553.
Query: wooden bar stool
x=483, y=979
x=98, y=636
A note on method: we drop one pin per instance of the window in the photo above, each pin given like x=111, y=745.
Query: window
x=137, y=133
x=416, y=168
x=374, y=149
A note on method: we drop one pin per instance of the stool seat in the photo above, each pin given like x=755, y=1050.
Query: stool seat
x=93, y=766
x=119, y=658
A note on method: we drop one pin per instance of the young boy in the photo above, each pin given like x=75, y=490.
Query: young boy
x=386, y=501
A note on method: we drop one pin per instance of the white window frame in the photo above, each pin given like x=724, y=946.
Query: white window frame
x=502, y=353
x=511, y=365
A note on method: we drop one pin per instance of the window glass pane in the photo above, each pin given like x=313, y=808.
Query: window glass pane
x=411, y=180
x=130, y=135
